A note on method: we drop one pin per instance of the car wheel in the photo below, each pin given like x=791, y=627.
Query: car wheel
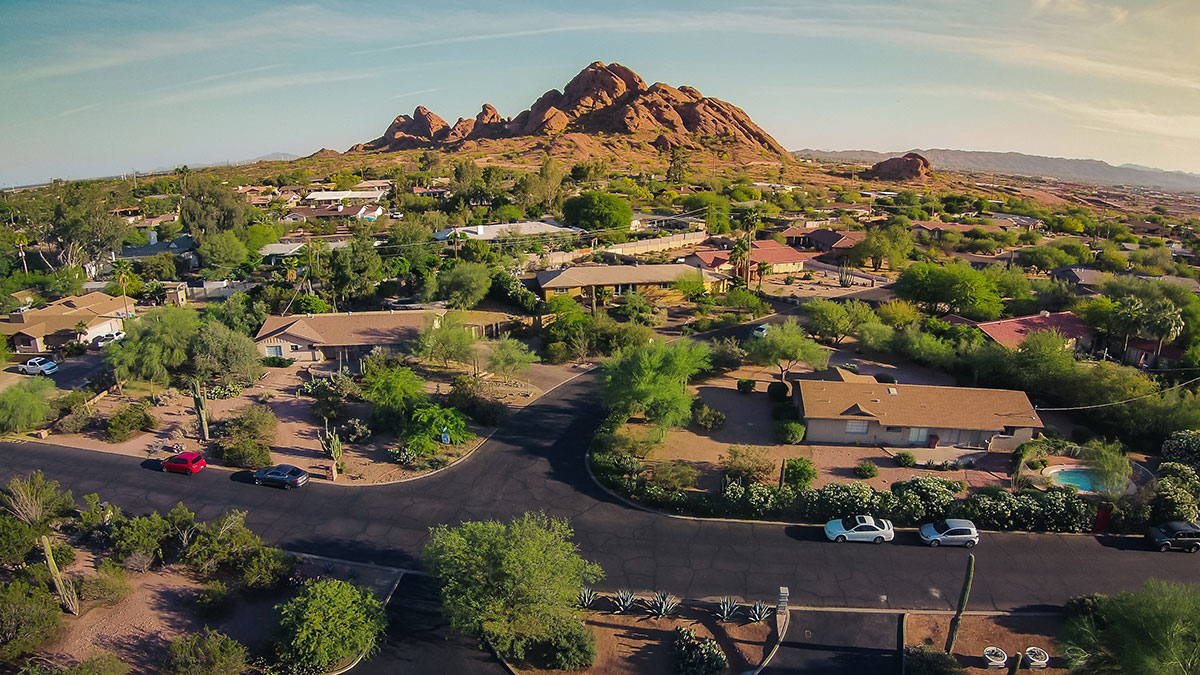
x=1164, y=547
x=970, y=544
x=162, y=467
x=841, y=539
x=934, y=543
x=258, y=481
x=1194, y=549
x=878, y=540
x=287, y=486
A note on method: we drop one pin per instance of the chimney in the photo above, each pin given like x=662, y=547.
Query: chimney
x=153, y=235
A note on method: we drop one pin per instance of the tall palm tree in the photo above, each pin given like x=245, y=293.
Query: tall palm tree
x=739, y=257
x=763, y=269
x=1127, y=320
x=1164, y=320
x=123, y=273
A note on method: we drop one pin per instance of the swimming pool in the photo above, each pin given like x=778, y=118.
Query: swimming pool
x=1081, y=479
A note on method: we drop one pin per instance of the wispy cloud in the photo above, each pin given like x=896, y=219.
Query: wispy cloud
x=261, y=84
x=1140, y=121
x=417, y=93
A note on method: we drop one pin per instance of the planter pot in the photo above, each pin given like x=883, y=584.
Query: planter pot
x=1036, y=657
x=995, y=657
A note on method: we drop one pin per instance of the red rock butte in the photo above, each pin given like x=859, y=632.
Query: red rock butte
x=609, y=99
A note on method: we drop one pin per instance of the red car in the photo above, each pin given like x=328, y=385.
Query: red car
x=185, y=462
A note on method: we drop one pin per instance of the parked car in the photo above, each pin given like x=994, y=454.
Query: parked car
x=185, y=462
x=109, y=338
x=760, y=331
x=860, y=528
x=1176, y=534
x=285, y=476
x=949, y=532
x=38, y=366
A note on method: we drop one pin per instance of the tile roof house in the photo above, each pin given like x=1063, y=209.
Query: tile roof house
x=301, y=214
x=1010, y=332
x=344, y=336
x=494, y=230
x=782, y=259
x=855, y=409
x=835, y=241
x=649, y=280
x=50, y=327
x=935, y=228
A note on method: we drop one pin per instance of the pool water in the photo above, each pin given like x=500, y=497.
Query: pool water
x=1080, y=478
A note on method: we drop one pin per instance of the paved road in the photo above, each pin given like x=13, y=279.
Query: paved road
x=536, y=462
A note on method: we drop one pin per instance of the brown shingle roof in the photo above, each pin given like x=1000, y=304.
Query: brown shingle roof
x=611, y=275
x=350, y=329
x=913, y=405
x=62, y=315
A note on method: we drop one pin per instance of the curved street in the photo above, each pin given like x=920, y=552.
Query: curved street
x=536, y=462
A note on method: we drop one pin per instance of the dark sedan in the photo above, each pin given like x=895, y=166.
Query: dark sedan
x=285, y=476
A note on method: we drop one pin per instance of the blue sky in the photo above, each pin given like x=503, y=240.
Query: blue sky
x=100, y=87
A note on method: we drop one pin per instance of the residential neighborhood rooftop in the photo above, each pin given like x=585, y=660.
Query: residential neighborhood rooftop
x=495, y=230
x=350, y=328
x=1010, y=332
x=607, y=275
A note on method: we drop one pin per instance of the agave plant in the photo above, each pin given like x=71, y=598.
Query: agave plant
x=624, y=600
x=727, y=608
x=759, y=611
x=663, y=604
x=586, y=597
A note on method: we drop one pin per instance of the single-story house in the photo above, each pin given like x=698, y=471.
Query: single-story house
x=1011, y=221
x=832, y=241
x=1086, y=279
x=1186, y=282
x=642, y=221
x=336, y=196
x=501, y=230
x=303, y=213
x=273, y=253
x=374, y=184
x=782, y=259
x=855, y=409
x=1141, y=353
x=935, y=228
x=435, y=191
x=344, y=336
x=1011, y=332
x=649, y=280
x=177, y=246
x=50, y=327
x=130, y=214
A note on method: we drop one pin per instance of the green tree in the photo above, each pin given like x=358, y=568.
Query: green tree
x=220, y=252
x=510, y=358
x=514, y=583
x=447, y=340
x=898, y=313
x=598, y=211
x=209, y=208
x=207, y=653
x=463, y=285
x=835, y=320
x=25, y=405
x=395, y=392
x=29, y=617
x=651, y=380
x=678, y=170
x=356, y=269
x=330, y=621
x=1138, y=633
x=224, y=357
x=423, y=434
x=785, y=346
x=891, y=244
x=1163, y=320
x=160, y=266
x=711, y=206
x=691, y=285
x=955, y=288
x=239, y=312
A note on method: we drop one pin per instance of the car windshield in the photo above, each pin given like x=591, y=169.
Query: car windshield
x=941, y=527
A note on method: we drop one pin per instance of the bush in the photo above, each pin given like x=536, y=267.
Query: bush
x=1183, y=447
x=244, y=452
x=727, y=354
x=63, y=555
x=866, y=469
x=328, y=622
x=555, y=353
x=355, y=431
x=905, y=459
x=673, y=476
x=786, y=412
x=746, y=464
x=209, y=653
x=100, y=665
x=778, y=392
x=885, y=378
x=213, y=599
x=73, y=423
x=29, y=616
x=277, y=361
x=24, y=405
x=572, y=647
x=143, y=534
x=706, y=418
x=922, y=660
x=219, y=392
x=799, y=472
x=108, y=586
x=696, y=656
x=789, y=431
x=129, y=420
x=746, y=385
x=17, y=540
x=265, y=568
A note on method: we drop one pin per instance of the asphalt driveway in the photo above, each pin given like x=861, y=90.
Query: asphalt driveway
x=828, y=643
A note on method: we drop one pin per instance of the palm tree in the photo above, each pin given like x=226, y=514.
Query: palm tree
x=1127, y=320
x=80, y=329
x=763, y=269
x=290, y=264
x=122, y=273
x=1164, y=320
x=739, y=257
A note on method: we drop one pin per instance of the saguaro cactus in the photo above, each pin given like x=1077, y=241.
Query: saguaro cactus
x=66, y=591
x=962, y=604
x=201, y=407
x=331, y=443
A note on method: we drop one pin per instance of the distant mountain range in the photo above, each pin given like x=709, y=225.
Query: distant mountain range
x=1018, y=164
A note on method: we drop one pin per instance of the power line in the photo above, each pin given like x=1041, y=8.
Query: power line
x=1128, y=400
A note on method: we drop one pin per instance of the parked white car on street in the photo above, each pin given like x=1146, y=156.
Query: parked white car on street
x=860, y=528
x=760, y=331
x=950, y=532
x=38, y=366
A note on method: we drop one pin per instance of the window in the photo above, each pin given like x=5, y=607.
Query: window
x=295, y=348
x=918, y=435
x=622, y=289
x=275, y=350
x=856, y=427
x=664, y=286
